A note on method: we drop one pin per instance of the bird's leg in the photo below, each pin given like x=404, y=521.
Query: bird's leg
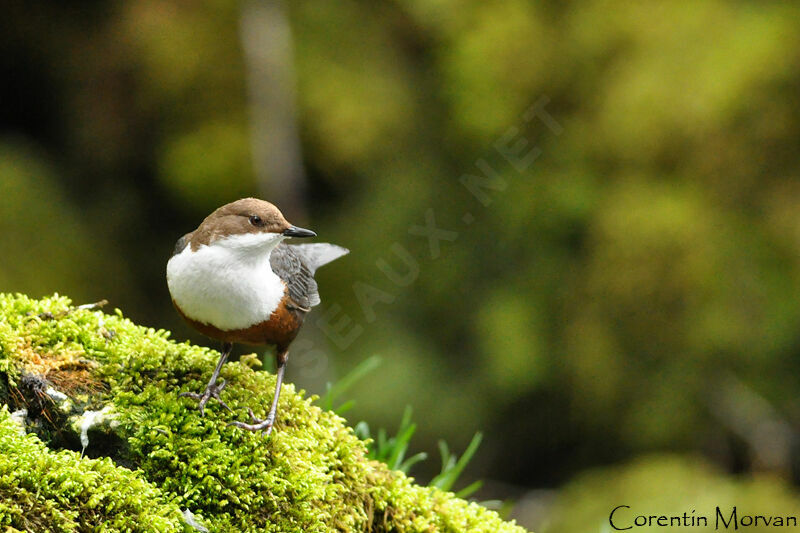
x=212, y=389
x=266, y=424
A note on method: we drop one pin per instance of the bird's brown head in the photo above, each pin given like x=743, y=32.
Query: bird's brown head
x=248, y=216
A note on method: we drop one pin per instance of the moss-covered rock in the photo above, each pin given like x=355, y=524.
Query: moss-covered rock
x=116, y=449
x=44, y=490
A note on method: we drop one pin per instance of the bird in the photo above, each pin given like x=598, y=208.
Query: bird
x=233, y=279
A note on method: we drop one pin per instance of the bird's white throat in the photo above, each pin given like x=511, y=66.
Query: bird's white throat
x=228, y=284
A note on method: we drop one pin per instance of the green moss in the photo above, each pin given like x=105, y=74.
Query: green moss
x=44, y=490
x=311, y=475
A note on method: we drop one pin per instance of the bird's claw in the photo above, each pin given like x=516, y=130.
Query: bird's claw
x=257, y=425
x=212, y=391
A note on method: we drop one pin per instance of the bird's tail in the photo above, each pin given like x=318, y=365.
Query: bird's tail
x=319, y=253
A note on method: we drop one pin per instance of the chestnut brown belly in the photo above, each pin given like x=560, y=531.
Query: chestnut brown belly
x=280, y=329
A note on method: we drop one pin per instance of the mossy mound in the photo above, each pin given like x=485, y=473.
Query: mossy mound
x=115, y=449
x=43, y=490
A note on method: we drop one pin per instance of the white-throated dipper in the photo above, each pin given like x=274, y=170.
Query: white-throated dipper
x=233, y=279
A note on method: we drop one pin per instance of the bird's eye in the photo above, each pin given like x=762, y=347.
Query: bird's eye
x=256, y=220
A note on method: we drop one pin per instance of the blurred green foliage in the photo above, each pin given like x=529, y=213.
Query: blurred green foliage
x=589, y=311
x=669, y=486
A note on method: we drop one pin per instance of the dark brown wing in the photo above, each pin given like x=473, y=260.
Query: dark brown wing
x=291, y=267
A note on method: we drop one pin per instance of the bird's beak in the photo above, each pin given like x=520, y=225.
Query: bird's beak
x=294, y=231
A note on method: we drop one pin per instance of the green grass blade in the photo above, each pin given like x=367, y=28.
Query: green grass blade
x=335, y=390
x=452, y=469
x=399, y=447
x=470, y=489
x=411, y=461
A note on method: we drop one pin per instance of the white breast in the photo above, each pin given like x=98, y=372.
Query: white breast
x=229, y=284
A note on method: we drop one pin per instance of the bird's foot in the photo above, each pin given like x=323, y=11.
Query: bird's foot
x=258, y=424
x=212, y=391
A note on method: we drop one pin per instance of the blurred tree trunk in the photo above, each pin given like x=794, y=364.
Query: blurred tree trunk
x=267, y=43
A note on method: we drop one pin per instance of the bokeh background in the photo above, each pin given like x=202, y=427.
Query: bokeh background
x=616, y=308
